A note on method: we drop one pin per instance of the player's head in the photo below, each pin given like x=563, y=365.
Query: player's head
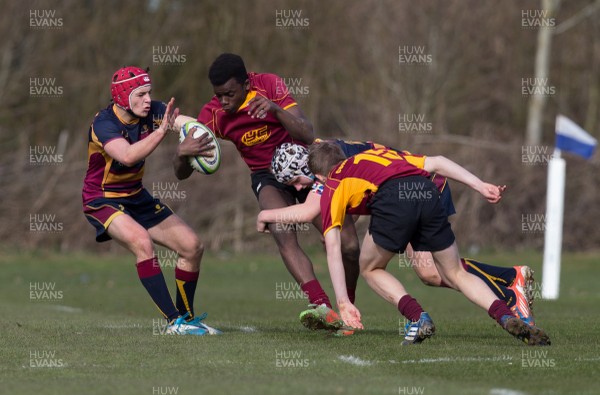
x=323, y=156
x=229, y=79
x=130, y=90
x=290, y=166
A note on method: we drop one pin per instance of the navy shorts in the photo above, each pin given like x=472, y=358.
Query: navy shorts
x=409, y=210
x=262, y=178
x=142, y=207
x=446, y=200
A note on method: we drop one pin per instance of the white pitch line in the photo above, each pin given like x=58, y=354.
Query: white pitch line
x=351, y=359
x=503, y=358
x=505, y=391
x=66, y=309
x=248, y=329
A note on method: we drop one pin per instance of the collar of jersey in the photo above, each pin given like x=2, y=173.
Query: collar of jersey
x=251, y=95
x=114, y=109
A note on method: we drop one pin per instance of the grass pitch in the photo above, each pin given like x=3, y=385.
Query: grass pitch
x=80, y=324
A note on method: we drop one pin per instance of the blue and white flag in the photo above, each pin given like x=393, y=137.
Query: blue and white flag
x=572, y=138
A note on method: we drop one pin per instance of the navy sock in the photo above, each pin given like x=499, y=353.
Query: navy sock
x=499, y=274
x=501, y=291
x=153, y=280
x=186, y=288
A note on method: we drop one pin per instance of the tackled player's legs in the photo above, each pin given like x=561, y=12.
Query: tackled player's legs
x=423, y=264
x=448, y=264
x=294, y=258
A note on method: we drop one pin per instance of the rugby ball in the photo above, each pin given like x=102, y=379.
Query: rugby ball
x=203, y=164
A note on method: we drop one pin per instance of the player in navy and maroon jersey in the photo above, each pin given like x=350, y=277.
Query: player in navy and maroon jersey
x=514, y=285
x=256, y=113
x=404, y=205
x=116, y=203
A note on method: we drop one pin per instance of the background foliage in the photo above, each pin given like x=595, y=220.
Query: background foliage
x=345, y=58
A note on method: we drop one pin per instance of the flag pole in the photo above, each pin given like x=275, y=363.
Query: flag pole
x=554, y=226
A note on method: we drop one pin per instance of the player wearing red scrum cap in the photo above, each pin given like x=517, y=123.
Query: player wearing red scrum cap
x=116, y=203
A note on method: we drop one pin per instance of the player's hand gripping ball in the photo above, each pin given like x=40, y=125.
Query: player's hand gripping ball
x=203, y=164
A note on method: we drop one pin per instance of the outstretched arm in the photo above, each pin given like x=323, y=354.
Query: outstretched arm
x=130, y=154
x=348, y=311
x=294, y=214
x=450, y=169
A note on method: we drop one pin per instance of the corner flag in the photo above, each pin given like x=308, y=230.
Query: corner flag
x=571, y=138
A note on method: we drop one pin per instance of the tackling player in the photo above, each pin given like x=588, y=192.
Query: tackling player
x=514, y=285
x=116, y=203
x=376, y=182
x=256, y=113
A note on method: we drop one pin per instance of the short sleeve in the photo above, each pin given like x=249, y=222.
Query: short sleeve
x=104, y=131
x=277, y=91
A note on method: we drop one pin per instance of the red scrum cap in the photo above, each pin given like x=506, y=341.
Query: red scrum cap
x=125, y=81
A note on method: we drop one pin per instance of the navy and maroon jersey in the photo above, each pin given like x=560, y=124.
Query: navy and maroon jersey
x=255, y=139
x=106, y=177
x=351, y=185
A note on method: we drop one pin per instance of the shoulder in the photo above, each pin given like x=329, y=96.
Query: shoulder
x=106, y=120
x=264, y=79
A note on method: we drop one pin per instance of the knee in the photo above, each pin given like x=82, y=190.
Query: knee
x=350, y=251
x=141, y=245
x=288, y=245
x=192, y=248
x=431, y=279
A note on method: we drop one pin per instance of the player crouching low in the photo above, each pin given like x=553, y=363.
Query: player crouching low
x=372, y=183
x=514, y=285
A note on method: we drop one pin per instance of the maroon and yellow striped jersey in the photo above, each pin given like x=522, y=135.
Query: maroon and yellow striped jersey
x=351, y=185
x=254, y=138
x=106, y=177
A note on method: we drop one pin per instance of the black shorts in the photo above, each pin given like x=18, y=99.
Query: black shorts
x=409, y=210
x=262, y=178
x=142, y=207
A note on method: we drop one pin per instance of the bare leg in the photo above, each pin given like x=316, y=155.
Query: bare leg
x=449, y=267
x=373, y=261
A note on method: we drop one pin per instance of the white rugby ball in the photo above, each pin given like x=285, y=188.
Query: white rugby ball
x=203, y=164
